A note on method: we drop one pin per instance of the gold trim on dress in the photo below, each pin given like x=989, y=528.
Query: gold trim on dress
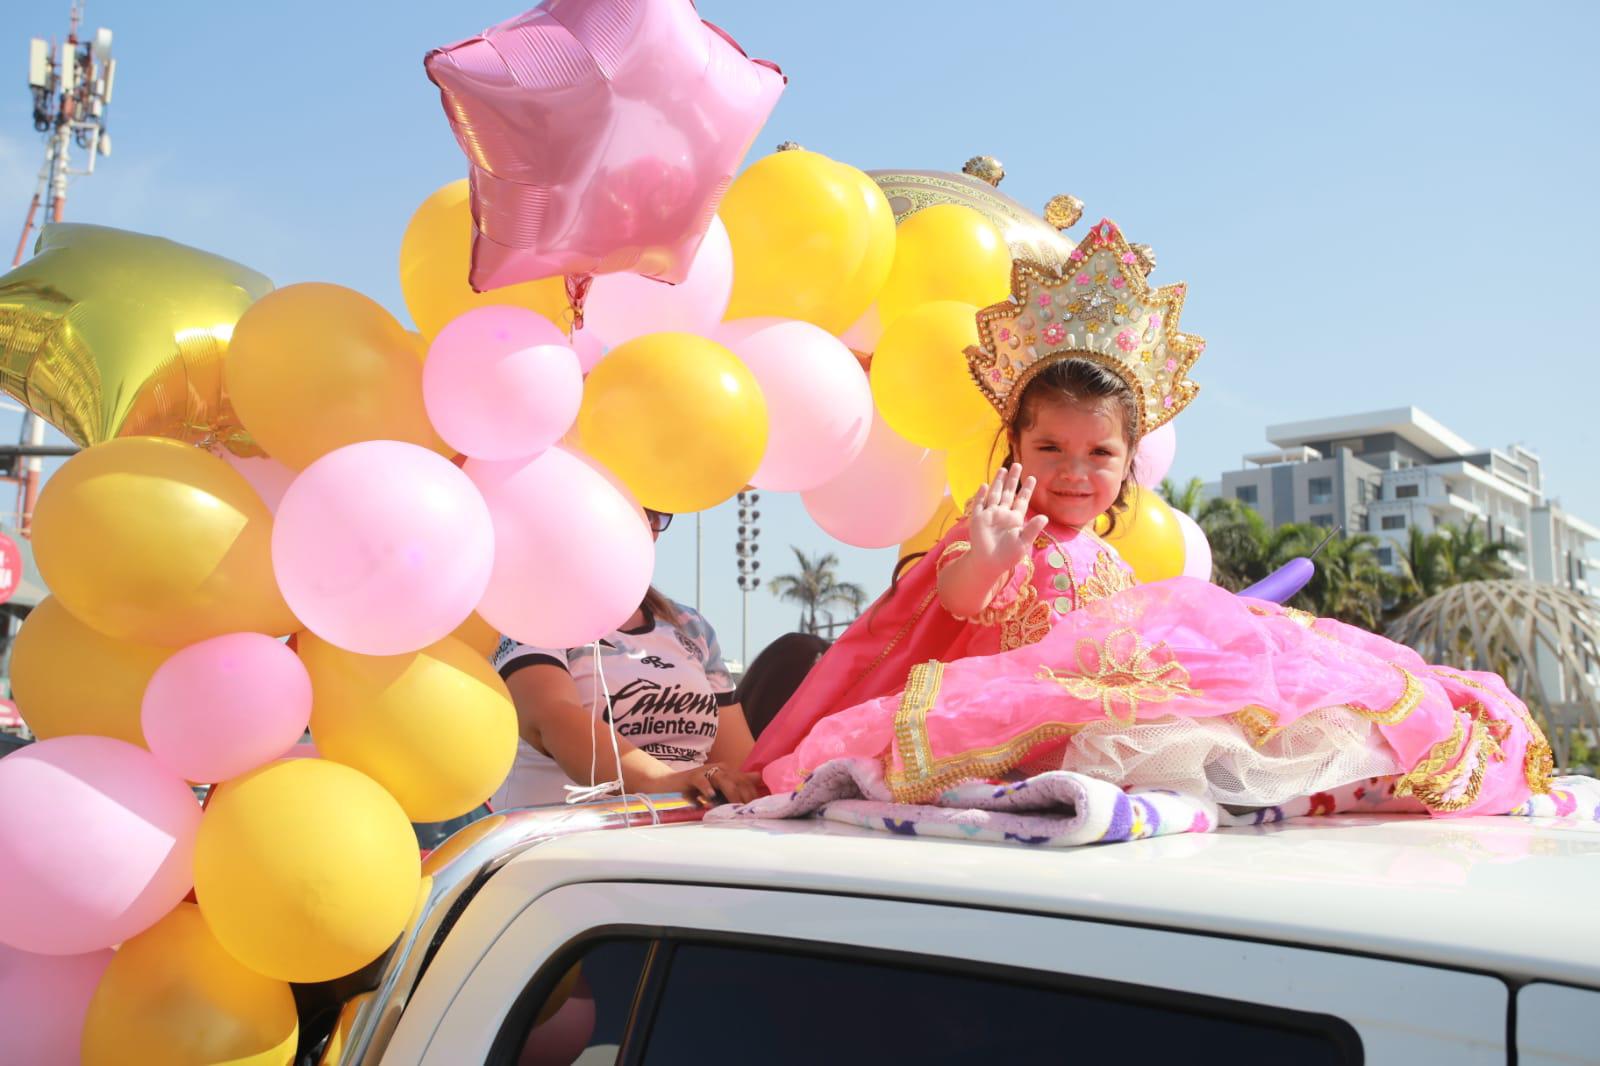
x=974, y=764
x=894, y=641
x=1105, y=580
x=1029, y=628
x=997, y=613
x=1411, y=693
x=1304, y=619
x=1123, y=675
x=921, y=776
x=1466, y=752
x=911, y=720
x=1259, y=724
x=1538, y=760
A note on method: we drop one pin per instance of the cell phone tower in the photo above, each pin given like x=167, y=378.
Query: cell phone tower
x=71, y=83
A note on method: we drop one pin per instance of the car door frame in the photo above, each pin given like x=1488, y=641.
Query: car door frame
x=1398, y=1008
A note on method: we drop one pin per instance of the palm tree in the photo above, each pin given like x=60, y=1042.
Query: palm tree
x=817, y=587
x=1349, y=585
x=1238, y=536
x=1422, y=566
x=1450, y=555
x=1187, y=499
x=1473, y=556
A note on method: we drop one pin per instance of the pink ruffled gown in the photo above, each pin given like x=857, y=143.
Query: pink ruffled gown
x=1177, y=684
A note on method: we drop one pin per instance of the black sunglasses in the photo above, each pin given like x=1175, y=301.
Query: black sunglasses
x=659, y=520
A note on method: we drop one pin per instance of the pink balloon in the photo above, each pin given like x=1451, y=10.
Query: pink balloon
x=1196, y=548
x=43, y=1001
x=500, y=383
x=887, y=494
x=819, y=404
x=268, y=477
x=1154, y=458
x=590, y=349
x=573, y=558
x=382, y=548
x=621, y=307
x=97, y=843
x=226, y=705
x=601, y=135
x=734, y=333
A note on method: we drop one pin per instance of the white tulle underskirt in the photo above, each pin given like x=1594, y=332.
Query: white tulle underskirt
x=1214, y=757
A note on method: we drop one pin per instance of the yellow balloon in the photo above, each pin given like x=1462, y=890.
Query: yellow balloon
x=1147, y=536
x=113, y=334
x=945, y=252
x=974, y=460
x=380, y=715
x=306, y=869
x=920, y=379
x=435, y=256
x=173, y=995
x=153, y=541
x=925, y=538
x=315, y=367
x=810, y=240
x=877, y=259
x=678, y=418
x=56, y=692
x=478, y=635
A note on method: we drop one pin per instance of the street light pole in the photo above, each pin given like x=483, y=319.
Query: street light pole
x=746, y=549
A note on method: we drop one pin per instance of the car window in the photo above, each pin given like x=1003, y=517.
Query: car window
x=688, y=1001
x=781, y=1007
x=582, y=1015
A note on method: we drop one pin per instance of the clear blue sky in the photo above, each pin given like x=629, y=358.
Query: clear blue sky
x=1374, y=203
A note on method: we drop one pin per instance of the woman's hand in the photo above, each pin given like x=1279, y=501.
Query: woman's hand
x=1000, y=531
x=703, y=783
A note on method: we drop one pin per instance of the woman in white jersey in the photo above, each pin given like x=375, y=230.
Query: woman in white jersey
x=674, y=716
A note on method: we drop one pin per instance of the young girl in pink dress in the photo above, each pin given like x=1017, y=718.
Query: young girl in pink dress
x=1022, y=643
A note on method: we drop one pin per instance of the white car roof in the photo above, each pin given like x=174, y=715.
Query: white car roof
x=1504, y=895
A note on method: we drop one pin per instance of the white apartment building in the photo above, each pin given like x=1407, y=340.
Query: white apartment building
x=1387, y=472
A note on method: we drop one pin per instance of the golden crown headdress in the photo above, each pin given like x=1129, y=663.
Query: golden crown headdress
x=1101, y=308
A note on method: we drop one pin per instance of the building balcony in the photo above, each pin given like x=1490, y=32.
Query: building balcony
x=1448, y=507
x=1463, y=473
x=1283, y=455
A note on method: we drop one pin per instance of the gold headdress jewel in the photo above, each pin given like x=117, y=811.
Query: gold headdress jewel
x=1100, y=308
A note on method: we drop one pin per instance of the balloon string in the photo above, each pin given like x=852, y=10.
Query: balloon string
x=602, y=789
x=577, y=295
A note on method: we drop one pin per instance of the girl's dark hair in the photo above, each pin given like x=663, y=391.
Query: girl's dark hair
x=1078, y=380
x=1075, y=380
x=660, y=607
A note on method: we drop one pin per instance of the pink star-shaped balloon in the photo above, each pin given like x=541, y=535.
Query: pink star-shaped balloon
x=602, y=135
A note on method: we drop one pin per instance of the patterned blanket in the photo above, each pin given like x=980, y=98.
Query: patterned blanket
x=1062, y=809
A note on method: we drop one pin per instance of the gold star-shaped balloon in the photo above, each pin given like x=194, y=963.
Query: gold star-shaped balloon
x=106, y=333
